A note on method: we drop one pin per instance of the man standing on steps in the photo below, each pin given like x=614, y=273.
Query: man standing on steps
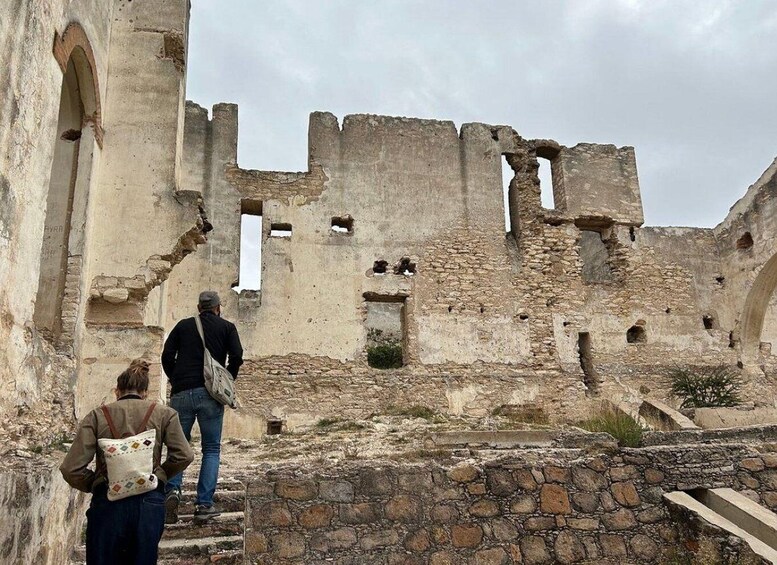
x=182, y=360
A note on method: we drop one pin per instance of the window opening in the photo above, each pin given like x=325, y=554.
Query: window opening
x=379, y=267
x=636, y=334
x=250, y=275
x=545, y=173
x=632, y=234
x=745, y=242
x=342, y=225
x=405, y=267
x=280, y=230
x=385, y=327
x=274, y=427
x=709, y=322
x=507, y=177
x=586, y=363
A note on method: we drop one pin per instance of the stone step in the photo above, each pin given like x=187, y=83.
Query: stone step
x=190, y=483
x=210, y=546
x=228, y=524
x=226, y=501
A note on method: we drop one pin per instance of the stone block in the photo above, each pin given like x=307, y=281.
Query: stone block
x=484, y=509
x=644, y=547
x=588, y=480
x=335, y=491
x=439, y=535
x=653, y=476
x=523, y=504
x=568, y=548
x=554, y=499
x=534, y=550
x=376, y=482
x=403, y=508
x=413, y=482
x=296, y=489
x=466, y=535
x=463, y=473
x=588, y=524
x=359, y=513
x=651, y=515
x=316, y=516
x=275, y=513
x=752, y=464
x=503, y=530
x=585, y=502
x=525, y=480
x=375, y=540
x=539, y=523
x=623, y=473
x=444, y=558
x=555, y=474
x=444, y=513
x=336, y=540
x=418, y=541
x=501, y=482
x=625, y=494
x=623, y=519
x=476, y=489
x=612, y=545
x=255, y=542
x=493, y=556
x=288, y=545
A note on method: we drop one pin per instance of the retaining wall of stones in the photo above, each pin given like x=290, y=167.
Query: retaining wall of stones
x=534, y=507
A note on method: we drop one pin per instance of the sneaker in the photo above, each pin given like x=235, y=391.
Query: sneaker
x=172, y=499
x=205, y=513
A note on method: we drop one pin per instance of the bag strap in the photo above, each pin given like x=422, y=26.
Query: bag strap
x=199, y=329
x=115, y=432
x=108, y=418
x=147, y=417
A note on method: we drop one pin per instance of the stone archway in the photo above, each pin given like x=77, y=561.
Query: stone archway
x=58, y=298
x=754, y=311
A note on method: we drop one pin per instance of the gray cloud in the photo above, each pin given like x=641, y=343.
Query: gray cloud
x=691, y=85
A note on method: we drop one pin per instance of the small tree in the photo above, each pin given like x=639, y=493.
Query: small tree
x=706, y=387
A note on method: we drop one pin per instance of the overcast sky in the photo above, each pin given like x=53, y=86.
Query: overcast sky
x=692, y=85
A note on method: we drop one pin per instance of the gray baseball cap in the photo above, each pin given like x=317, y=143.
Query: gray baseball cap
x=209, y=299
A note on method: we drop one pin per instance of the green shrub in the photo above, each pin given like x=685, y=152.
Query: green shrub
x=705, y=387
x=625, y=429
x=386, y=356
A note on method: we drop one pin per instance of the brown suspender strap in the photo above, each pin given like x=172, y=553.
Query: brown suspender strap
x=146, y=417
x=143, y=424
x=114, y=433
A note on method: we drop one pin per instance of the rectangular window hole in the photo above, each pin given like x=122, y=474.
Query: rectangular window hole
x=280, y=230
x=342, y=224
x=546, y=184
x=595, y=256
x=250, y=276
x=274, y=427
x=385, y=328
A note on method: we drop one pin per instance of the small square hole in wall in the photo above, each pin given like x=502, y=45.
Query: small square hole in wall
x=280, y=230
x=342, y=225
x=709, y=322
x=636, y=334
x=379, y=267
x=405, y=267
x=274, y=427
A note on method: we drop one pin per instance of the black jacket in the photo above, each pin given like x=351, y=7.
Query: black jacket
x=182, y=356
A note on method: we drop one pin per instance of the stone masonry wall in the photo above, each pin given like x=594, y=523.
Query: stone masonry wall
x=539, y=507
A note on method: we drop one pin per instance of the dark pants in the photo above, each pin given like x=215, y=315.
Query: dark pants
x=126, y=531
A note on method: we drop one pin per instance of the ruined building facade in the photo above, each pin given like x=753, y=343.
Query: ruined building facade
x=396, y=228
x=395, y=234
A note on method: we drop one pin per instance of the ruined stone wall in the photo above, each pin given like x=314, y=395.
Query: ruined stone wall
x=539, y=507
x=481, y=303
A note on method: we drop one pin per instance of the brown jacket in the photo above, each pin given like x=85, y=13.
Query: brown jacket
x=127, y=415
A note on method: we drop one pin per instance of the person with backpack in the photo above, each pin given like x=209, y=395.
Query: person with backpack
x=188, y=368
x=125, y=519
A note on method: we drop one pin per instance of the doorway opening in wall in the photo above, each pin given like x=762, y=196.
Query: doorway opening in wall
x=507, y=178
x=545, y=172
x=386, y=331
x=250, y=276
x=590, y=379
x=59, y=282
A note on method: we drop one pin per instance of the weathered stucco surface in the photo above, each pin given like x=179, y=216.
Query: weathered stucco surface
x=393, y=236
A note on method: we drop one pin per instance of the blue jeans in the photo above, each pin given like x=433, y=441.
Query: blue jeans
x=126, y=531
x=198, y=404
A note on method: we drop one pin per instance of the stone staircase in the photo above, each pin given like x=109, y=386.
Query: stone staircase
x=220, y=540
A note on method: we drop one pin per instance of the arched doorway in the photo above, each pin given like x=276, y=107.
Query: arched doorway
x=58, y=295
x=754, y=312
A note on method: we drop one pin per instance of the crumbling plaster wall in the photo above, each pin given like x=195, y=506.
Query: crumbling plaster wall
x=30, y=87
x=747, y=240
x=490, y=317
